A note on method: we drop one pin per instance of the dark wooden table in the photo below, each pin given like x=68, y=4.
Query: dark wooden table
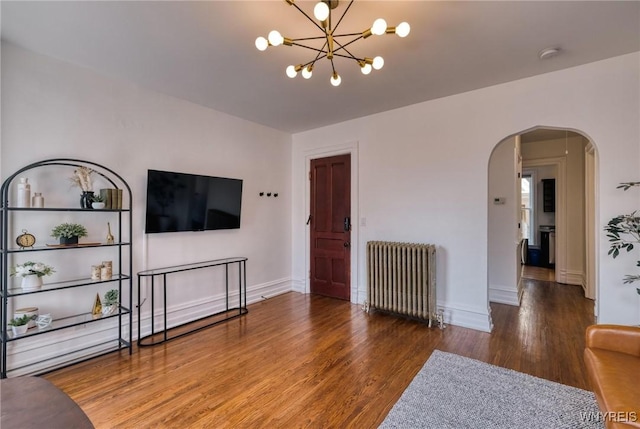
x=33, y=402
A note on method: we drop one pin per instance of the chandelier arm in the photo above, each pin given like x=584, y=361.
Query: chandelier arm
x=348, y=35
x=347, y=44
x=319, y=56
x=320, y=52
x=343, y=14
x=310, y=38
x=312, y=62
x=350, y=57
x=308, y=17
x=311, y=48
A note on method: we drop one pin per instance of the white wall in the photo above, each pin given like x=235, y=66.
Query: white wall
x=503, y=234
x=52, y=109
x=423, y=175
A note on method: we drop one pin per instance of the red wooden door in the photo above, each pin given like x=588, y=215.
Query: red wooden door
x=331, y=226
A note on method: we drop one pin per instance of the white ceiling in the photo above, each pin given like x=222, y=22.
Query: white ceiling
x=204, y=51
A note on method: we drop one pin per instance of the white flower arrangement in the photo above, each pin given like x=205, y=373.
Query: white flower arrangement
x=32, y=268
x=82, y=178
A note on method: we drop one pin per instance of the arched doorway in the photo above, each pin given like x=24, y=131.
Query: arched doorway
x=568, y=160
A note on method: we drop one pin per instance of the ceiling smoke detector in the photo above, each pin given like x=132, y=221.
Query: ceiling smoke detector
x=548, y=53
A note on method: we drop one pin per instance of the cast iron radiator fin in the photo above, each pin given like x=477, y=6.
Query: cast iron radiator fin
x=401, y=279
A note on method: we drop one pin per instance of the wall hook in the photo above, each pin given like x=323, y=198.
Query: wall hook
x=261, y=194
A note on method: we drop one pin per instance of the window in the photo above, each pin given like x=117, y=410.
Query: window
x=526, y=208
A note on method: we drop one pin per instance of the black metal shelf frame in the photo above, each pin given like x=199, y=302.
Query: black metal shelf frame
x=231, y=313
x=124, y=280
x=71, y=246
x=65, y=322
x=10, y=292
x=63, y=209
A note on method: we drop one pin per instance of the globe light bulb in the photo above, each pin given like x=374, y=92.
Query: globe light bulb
x=335, y=79
x=275, y=38
x=366, y=69
x=378, y=28
x=378, y=62
x=307, y=72
x=321, y=11
x=262, y=43
x=403, y=29
x=291, y=72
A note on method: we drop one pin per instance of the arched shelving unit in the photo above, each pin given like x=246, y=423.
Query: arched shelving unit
x=67, y=323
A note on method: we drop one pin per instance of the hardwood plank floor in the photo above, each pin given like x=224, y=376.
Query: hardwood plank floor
x=308, y=361
x=538, y=273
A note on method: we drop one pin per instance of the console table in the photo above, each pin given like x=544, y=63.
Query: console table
x=229, y=313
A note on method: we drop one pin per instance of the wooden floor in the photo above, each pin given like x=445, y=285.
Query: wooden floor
x=538, y=273
x=307, y=361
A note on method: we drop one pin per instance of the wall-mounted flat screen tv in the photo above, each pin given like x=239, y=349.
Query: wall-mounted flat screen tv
x=190, y=202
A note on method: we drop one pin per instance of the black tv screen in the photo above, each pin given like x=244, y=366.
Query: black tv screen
x=191, y=202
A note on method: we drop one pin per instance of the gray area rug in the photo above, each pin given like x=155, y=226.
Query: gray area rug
x=452, y=391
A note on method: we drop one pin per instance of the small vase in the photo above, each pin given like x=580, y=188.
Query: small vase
x=32, y=282
x=37, y=200
x=97, y=205
x=108, y=310
x=86, y=198
x=24, y=193
x=19, y=330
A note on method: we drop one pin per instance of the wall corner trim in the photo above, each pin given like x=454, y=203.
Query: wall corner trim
x=466, y=317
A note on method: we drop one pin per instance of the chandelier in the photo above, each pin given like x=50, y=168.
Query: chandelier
x=335, y=44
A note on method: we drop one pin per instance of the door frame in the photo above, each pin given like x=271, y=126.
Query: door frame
x=591, y=223
x=358, y=292
x=560, y=165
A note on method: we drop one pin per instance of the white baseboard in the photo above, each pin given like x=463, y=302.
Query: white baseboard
x=196, y=309
x=45, y=352
x=268, y=290
x=504, y=295
x=575, y=278
x=60, y=347
x=466, y=317
x=360, y=297
x=358, y=294
x=299, y=285
x=56, y=345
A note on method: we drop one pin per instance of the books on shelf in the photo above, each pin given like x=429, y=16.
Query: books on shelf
x=112, y=198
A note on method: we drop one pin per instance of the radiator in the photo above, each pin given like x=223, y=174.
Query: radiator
x=402, y=279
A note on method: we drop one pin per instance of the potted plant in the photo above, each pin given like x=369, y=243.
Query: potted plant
x=68, y=233
x=97, y=202
x=623, y=232
x=19, y=325
x=110, y=303
x=31, y=273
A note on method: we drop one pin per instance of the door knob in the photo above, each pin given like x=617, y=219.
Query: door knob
x=347, y=244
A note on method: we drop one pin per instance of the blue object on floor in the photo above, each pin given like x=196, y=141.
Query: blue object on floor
x=534, y=257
